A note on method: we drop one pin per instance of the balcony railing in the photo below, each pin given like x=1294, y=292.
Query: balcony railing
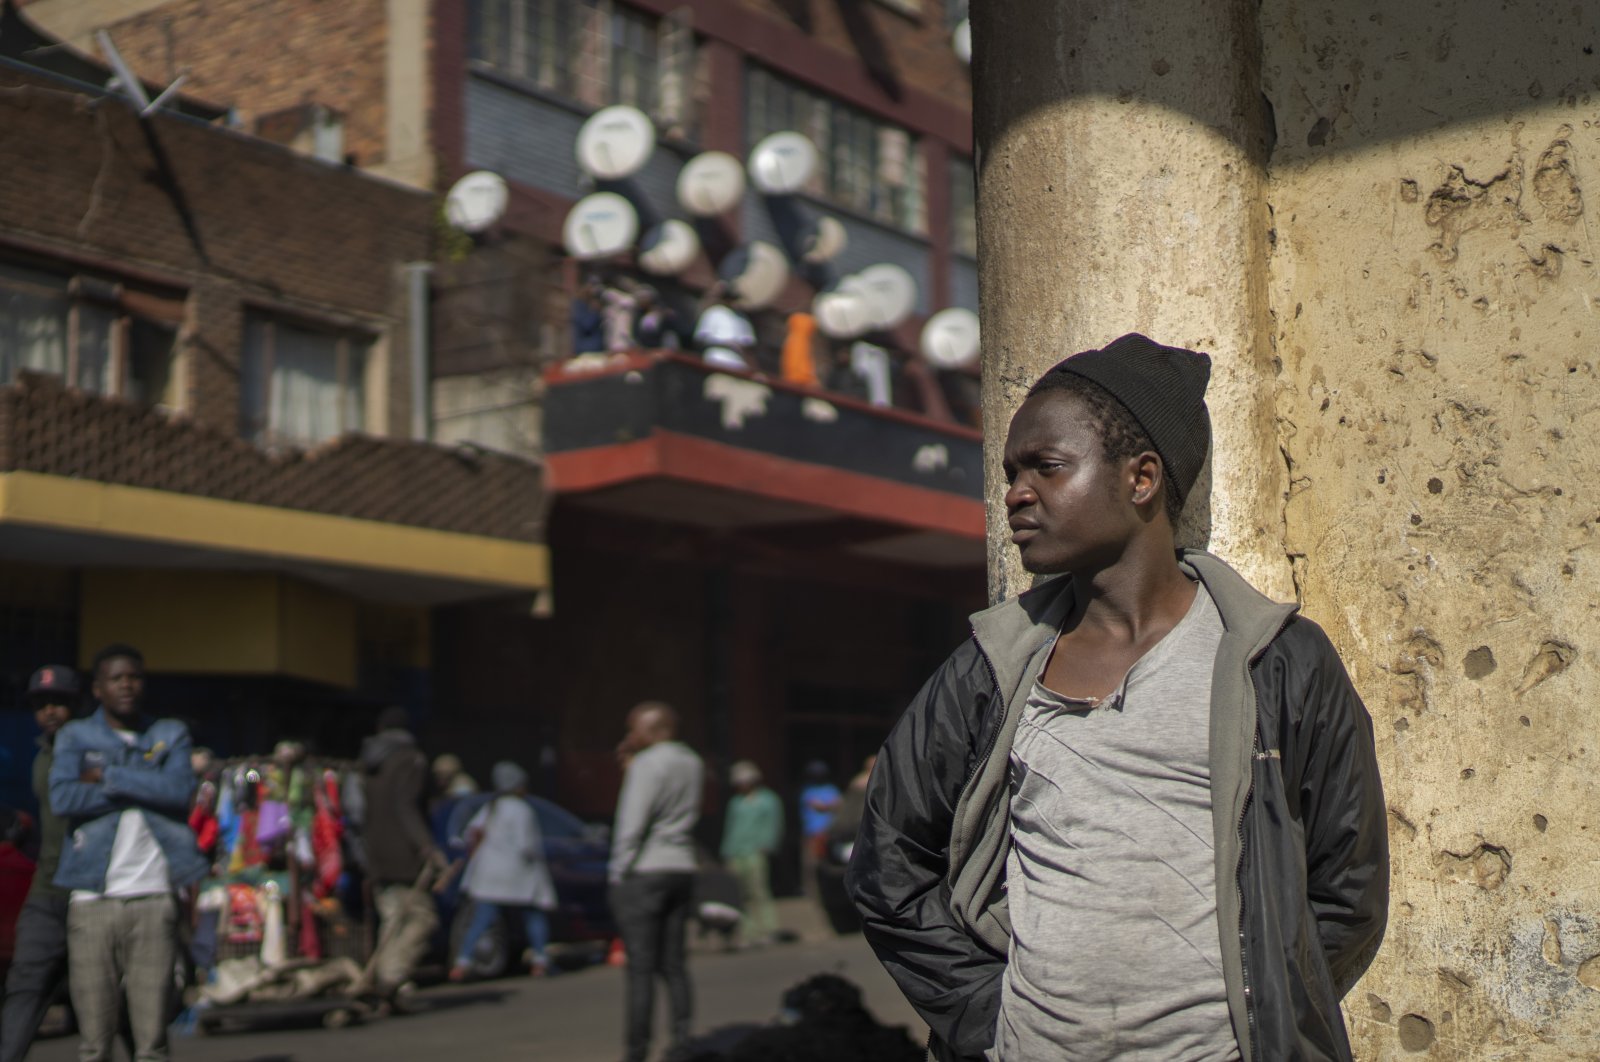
x=47, y=428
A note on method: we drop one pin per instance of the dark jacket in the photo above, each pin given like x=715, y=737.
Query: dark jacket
x=1299, y=825
x=395, y=830
x=52, y=827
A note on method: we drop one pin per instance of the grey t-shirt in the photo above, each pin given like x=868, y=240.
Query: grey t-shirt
x=1111, y=881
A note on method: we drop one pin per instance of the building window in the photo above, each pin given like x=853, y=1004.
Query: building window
x=963, y=207
x=597, y=52
x=868, y=166
x=300, y=386
x=88, y=331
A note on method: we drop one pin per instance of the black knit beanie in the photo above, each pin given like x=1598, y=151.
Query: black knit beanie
x=1165, y=390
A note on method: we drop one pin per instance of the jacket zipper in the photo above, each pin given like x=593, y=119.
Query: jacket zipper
x=1244, y=958
x=1244, y=813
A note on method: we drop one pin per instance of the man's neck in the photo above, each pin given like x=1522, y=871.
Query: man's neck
x=119, y=722
x=1141, y=590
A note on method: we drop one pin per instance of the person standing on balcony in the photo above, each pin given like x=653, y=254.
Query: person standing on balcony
x=401, y=858
x=652, y=868
x=750, y=837
x=725, y=335
x=39, y=962
x=655, y=323
x=124, y=783
x=588, y=322
x=1138, y=812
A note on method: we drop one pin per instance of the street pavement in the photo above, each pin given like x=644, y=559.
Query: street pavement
x=574, y=1017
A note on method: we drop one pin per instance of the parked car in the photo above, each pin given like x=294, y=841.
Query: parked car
x=577, y=853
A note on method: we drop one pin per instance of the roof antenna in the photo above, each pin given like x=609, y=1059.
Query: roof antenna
x=128, y=84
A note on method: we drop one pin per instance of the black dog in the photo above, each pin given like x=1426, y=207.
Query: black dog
x=823, y=1021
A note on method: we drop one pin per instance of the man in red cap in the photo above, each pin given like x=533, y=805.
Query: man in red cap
x=1138, y=813
x=39, y=963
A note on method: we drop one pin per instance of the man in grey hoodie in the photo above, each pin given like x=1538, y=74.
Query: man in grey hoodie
x=652, y=868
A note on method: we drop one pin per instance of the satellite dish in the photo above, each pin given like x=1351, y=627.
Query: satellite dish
x=890, y=291
x=950, y=338
x=826, y=241
x=841, y=314
x=476, y=201
x=961, y=40
x=758, y=273
x=711, y=183
x=669, y=248
x=616, y=142
x=600, y=225
x=782, y=163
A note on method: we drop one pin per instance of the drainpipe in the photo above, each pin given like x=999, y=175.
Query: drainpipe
x=417, y=289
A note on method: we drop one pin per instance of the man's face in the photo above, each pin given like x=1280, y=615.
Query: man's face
x=1069, y=508
x=119, y=685
x=51, y=716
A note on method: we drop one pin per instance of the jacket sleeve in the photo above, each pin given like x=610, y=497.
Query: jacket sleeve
x=68, y=796
x=1346, y=822
x=167, y=786
x=897, y=872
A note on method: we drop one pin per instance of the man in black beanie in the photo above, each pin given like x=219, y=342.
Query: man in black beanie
x=1138, y=813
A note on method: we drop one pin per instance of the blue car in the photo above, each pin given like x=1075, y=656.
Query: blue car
x=576, y=853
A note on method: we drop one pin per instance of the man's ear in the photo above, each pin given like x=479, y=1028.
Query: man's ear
x=1149, y=478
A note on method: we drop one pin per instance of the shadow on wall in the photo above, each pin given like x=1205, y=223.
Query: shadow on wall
x=1318, y=77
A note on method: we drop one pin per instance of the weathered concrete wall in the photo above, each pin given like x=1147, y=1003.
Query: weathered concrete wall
x=1408, y=263
x=1433, y=286
x=1121, y=151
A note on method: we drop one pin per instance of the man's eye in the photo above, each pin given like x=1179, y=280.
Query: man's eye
x=1049, y=466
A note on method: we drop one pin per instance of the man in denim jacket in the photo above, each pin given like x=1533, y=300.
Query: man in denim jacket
x=124, y=784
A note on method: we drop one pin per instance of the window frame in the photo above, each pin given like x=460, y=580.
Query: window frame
x=258, y=430
x=81, y=290
x=852, y=161
x=596, y=46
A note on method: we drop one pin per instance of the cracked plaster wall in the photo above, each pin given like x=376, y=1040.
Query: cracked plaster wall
x=1433, y=290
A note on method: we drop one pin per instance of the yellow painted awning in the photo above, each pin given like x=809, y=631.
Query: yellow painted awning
x=77, y=522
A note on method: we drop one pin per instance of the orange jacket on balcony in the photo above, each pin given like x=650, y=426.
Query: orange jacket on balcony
x=798, y=364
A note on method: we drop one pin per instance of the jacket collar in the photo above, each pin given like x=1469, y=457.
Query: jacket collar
x=101, y=719
x=1012, y=632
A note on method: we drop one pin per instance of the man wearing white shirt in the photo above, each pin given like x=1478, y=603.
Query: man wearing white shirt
x=725, y=336
x=124, y=784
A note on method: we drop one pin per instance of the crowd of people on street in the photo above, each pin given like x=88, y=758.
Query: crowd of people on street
x=615, y=315
x=190, y=876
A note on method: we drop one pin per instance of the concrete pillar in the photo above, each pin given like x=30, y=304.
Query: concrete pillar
x=1121, y=148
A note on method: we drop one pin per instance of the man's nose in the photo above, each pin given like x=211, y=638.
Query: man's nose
x=1020, y=493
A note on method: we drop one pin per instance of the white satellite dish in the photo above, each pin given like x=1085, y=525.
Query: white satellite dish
x=783, y=163
x=669, y=248
x=600, y=225
x=616, y=142
x=961, y=40
x=711, y=183
x=950, y=338
x=476, y=201
x=758, y=273
x=841, y=314
x=890, y=291
x=826, y=241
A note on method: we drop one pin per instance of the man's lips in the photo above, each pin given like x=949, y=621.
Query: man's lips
x=1022, y=530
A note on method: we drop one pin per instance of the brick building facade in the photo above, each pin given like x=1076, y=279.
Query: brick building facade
x=205, y=421
x=787, y=586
